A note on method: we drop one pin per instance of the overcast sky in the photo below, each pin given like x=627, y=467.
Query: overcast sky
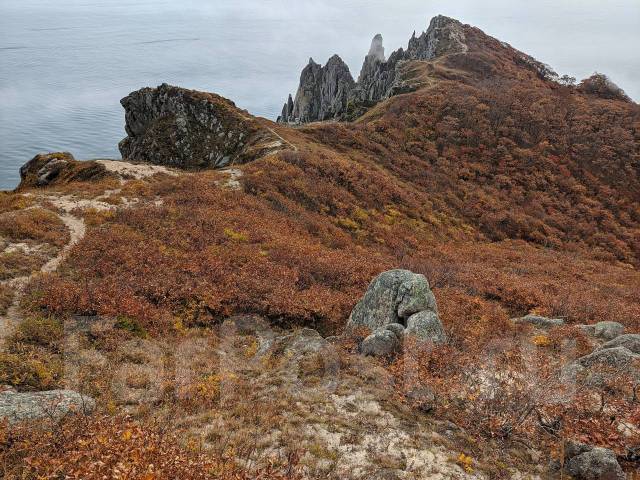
x=575, y=37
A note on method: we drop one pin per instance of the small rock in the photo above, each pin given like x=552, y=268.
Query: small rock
x=540, y=322
x=618, y=357
x=381, y=343
x=603, y=364
x=426, y=326
x=630, y=341
x=584, y=462
x=604, y=330
x=54, y=404
x=421, y=398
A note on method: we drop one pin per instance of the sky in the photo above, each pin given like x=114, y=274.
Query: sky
x=575, y=37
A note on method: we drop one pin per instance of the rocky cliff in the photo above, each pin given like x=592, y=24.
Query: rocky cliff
x=323, y=93
x=329, y=92
x=188, y=129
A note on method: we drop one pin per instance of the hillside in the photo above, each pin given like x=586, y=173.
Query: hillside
x=513, y=191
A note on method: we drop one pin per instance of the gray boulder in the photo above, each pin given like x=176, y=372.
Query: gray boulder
x=595, y=368
x=584, y=462
x=392, y=297
x=381, y=343
x=630, y=341
x=540, y=322
x=617, y=357
x=604, y=330
x=54, y=405
x=426, y=326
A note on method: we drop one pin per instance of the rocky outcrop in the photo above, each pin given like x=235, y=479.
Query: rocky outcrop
x=584, y=462
x=396, y=304
x=59, y=168
x=55, y=404
x=329, y=92
x=323, y=93
x=189, y=129
x=444, y=36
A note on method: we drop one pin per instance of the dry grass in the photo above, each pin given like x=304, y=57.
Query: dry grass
x=126, y=448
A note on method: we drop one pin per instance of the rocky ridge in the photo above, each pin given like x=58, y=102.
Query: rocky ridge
x=329, y=92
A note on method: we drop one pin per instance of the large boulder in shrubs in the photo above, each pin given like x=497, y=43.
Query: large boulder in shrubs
x=401, y=302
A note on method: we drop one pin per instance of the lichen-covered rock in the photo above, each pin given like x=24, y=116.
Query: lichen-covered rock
x=618, y=357
x=630, y=341
x=396, y=328
x=59, y=168
x=392, y=297
x=397, y=304
x=604, y=330
x=381, y=343
x=54, y=404
x=426, y=326
x=584, y=462
x=189, y=129
x=540, y=322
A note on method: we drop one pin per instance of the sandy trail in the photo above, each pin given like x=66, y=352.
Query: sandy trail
x=13, y=317
x=136, y=171
x=77, y=229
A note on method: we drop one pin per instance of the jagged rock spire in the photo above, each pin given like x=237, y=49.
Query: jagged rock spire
x=322, y=94
x=329, y=92
x=377, y=49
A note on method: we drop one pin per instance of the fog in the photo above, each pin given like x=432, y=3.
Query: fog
x=64, y=65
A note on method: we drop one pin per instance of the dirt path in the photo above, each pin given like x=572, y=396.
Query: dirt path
x=13, y=317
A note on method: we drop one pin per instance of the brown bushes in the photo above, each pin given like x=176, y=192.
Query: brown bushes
x=6, y=298
x=114, y=447
x=34, y=224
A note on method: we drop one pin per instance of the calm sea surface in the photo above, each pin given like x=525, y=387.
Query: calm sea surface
x=64, y=64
